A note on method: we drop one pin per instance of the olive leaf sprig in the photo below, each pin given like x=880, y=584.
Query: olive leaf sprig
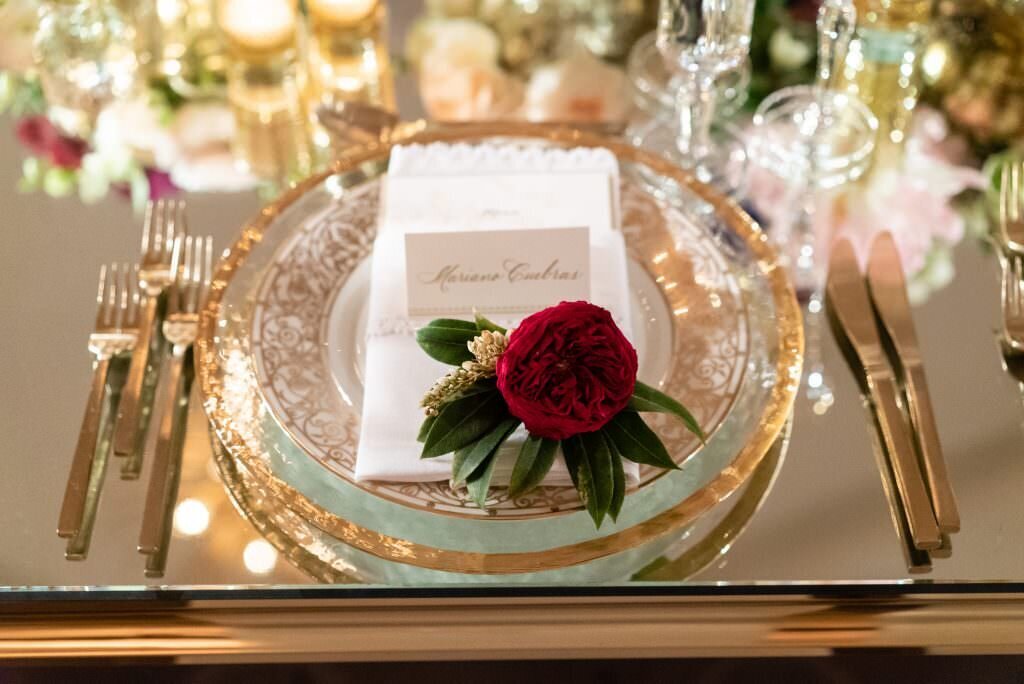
x=467, y=416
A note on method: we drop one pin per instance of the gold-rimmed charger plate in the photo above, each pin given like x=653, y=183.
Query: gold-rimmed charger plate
x=236, y=407
x=307, y=548
x=309, y=323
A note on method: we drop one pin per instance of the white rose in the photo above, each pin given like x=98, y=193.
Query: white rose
x=134, y=124
x=580, y=88
x=199, y=126
x=203, y=133
x=212, y=171
x=459, y=42
x=787, y=52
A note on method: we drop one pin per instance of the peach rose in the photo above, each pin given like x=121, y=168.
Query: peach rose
x=578, y=88
x=466, y=93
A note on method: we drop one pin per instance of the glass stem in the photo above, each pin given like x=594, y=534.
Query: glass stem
x=696, y=108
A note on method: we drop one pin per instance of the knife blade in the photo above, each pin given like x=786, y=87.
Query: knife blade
x=848, y=299
x=888, y=290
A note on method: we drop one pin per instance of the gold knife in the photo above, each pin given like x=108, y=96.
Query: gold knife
x=848, y=299
x=889, y=294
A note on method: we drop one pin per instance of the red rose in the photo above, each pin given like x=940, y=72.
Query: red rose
x=567, y=370
x=43, y=139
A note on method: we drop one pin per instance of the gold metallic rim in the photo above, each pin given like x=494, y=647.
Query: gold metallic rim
x=713, y=545
x=773, y=419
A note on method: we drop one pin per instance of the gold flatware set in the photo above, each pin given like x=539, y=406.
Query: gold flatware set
x=141, y=310
x=871, y=318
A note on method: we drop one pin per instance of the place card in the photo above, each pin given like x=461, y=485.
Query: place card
x=489, y=201
x=496, y=271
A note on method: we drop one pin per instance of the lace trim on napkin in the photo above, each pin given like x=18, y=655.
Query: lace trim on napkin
x=437, y=159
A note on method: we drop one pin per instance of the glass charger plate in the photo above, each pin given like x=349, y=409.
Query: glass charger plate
x=249, y=417
x=309, y=323
x=326, y=559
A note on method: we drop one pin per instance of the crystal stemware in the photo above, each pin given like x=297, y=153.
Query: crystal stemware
x=700, y=40
x=816, y=139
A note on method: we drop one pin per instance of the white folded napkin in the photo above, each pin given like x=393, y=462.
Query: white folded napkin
x=398, y=373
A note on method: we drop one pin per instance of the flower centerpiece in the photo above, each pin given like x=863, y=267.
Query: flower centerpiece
x=568, y=375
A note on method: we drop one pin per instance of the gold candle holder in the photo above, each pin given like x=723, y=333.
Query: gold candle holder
x=265, y=85
x=347, y=56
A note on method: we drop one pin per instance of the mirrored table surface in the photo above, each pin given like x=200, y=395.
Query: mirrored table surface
x=820, y=530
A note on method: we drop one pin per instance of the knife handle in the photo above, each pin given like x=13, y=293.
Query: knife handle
x=923, y=528
x=934, y=466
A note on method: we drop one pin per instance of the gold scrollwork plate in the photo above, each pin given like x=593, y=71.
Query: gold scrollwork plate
x=236, y=402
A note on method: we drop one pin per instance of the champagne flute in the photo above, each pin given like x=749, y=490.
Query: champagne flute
x=816, y=139
x=701, y=40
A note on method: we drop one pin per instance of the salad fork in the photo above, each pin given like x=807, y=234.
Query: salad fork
x=180, y=327
x=1011, y=205
x=119, y=302
x=164, y=221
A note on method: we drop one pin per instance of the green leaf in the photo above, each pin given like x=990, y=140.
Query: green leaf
x=646, y=399
x=484, y=323
x=469, y=458
x=637, y=442
x=480, y=482
x=463, y=421
x=599, y=458
x=445, y=340
x=618, y=479
x=535, y=459
x=589, y=462
x=428, y=423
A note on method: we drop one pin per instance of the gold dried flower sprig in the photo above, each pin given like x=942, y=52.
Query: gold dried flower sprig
x=485, y=348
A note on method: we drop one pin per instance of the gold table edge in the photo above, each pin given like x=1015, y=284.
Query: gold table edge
x=471, y=628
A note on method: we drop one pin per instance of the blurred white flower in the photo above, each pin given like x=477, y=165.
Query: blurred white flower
x=17, y=27
x=211, y=172
x=134, y=124
x=786, y=51
x=457, y=42
x=912, y=200
x=578, y=88
x=194, y=148
x=203, y=134
x=467, y=93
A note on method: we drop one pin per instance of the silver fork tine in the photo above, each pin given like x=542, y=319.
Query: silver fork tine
x=207, y=272
x=101, y=296
x=198, y=274
x=159, y=228
x=110, y=305
x=132, y=314
x=148, y=227
x=176, y=226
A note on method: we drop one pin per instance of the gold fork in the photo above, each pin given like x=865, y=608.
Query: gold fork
x=164, y=221
x=115, y=332
x=1011, y=205
x=180, y=327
